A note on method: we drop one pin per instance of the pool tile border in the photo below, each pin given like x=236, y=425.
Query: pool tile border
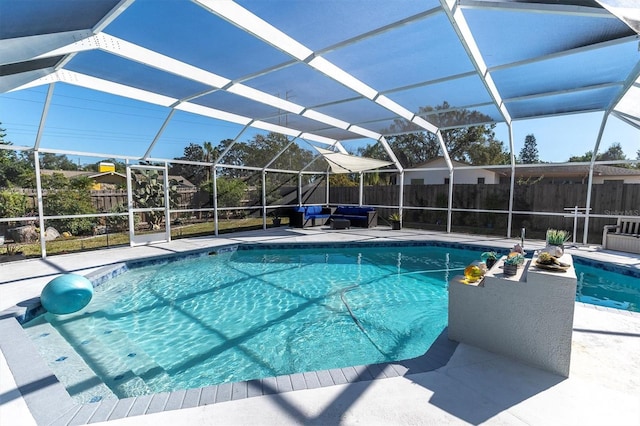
x=605, y=266
x=50, y=403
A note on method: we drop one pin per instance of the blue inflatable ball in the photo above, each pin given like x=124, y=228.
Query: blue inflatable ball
x=66, y=294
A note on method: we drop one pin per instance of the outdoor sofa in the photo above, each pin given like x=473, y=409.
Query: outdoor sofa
x=304, y=216
x=363, y=217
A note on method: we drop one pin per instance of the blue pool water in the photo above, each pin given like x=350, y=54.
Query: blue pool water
x=250, y=314
x=605, y=288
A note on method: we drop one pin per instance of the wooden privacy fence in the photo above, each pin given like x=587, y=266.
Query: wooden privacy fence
x=105, y=201
x=609, y=199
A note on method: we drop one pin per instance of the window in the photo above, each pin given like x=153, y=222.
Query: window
x=417, y=181
x=446, y=181
x=480, y=180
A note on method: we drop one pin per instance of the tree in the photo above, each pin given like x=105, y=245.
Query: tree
x=613, y=153
x=343, y=179
x=194, y=174
x=374, y=179
x=50, y=161
x=236, y=156
x=230, y=191
x=472, y=144
x=12, y=166
x=208, y=157
x=489, y=152
x=411, y=149
x=581, y=158
x=529, y=152
x=262, y=149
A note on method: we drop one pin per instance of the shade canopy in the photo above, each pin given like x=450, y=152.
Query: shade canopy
x=331, y=71
x=346, y=163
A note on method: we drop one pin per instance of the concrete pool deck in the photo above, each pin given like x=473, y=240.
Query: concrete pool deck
x=474, y=387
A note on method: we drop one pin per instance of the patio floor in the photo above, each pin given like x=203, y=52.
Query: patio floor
x=474, y=387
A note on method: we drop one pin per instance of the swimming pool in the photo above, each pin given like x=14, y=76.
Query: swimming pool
x=177, y=324
x=250, y=314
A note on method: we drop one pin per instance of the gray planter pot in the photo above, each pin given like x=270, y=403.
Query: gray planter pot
x=510, y=270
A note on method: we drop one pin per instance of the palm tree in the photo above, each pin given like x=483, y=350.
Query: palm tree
x=208, y=154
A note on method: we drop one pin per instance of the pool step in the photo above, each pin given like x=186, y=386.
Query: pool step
x=117, y=360
x=68, y=366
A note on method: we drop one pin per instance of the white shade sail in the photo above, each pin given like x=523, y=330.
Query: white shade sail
x=346, y=163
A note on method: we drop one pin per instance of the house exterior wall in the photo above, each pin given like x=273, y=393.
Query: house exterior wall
x=578, y=180
x=621, y=179
x=464, y=176
x=438, y=177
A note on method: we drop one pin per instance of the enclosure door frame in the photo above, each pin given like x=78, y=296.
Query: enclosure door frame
x=152, y=238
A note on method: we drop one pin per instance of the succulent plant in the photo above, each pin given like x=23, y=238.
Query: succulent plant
x=489, y=255
x=545, y=258
x=148, y=192
x=514, y=259
x=395, y=217
x=557, y=237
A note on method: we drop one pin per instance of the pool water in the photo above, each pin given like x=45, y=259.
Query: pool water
x=604, y=288
x=251, y=314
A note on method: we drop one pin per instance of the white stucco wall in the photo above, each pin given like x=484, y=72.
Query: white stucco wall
x=460, y=176
x=625, y=179
x=528, y=317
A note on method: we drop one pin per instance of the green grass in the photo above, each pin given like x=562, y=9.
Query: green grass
x=78, y=244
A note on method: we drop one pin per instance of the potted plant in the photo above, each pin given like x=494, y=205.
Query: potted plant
x=395, y=221
x=555, y=241
x=489, y=258
x=275, y=218
x=512, y=262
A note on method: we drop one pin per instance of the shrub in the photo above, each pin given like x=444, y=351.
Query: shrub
x=70, y=201
x=120, y=223
x=12, y=204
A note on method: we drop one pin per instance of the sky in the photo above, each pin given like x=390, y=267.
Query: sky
x=83, y=120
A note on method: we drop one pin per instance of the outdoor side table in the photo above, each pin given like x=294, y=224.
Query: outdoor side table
x=340, y=223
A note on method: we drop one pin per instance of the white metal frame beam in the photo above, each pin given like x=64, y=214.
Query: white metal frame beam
x=556, y=9
x=252, y=24
x=118, y=89
x=133, y=52
x=628, y=84
x=162, y=62
x=461, y=27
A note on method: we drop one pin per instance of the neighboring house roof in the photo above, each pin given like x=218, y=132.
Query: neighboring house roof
x=67, y=173
x=95, y=175
x=567, y=170
x=437, y=162
x=78, y=173
x=182, y=181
